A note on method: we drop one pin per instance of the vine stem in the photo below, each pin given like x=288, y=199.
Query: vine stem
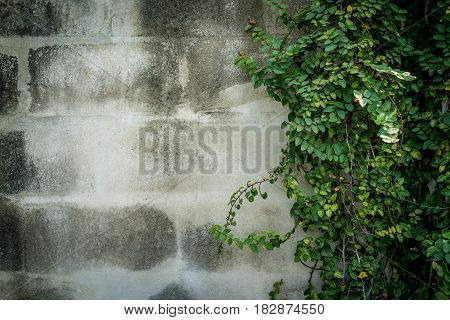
x=344, y=242
x=234, y=202
x=363, y=287
x=312, y=272
x=237, y=196
x=309, y=267
x=351, y=169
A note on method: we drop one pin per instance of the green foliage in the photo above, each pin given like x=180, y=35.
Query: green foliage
x=274, y=294
x=367, y=89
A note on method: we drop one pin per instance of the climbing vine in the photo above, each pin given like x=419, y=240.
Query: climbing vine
x=366, y=84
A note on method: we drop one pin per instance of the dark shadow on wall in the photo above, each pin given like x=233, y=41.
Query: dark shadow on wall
x=200, y=250
x=154, y=87
x=16, y=171
x=11, y=248
x=45, y=17
x=18, y=16
x=209, y=34
x=197, y=17
x=69, y=238
x=24, y=287
x=173, y=291
x=9, y=94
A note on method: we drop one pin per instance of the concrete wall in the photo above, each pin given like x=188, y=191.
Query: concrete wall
x=86, y=87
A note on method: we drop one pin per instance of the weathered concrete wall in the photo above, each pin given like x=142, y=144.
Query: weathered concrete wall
x=86, y=87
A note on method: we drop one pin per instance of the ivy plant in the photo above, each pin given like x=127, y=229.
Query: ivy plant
x=366, y=85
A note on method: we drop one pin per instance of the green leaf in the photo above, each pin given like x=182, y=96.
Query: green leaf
x=304, y=145
x=330, y=47
x=329, y=109
x=338, y=148
x=315, y=129
x=349, y=107
x=347, y=97
x=441, y=296
x=278, y=70
x=277, y=43
x=258, y=83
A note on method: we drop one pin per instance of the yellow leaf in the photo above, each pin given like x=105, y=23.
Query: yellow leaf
x=362, y=275
x=349, y=8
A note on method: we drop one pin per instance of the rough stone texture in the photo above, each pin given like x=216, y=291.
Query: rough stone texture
x=197, y=17
x=49, y=17
x=132, y=18
x=15, y=171
x=211, y=69
x=28, y=17
x=67, y=239
x=152, y=77
x=105, y=156
x=10, y=236
x=163, y=144
x=54, y=175
x=95, y=78
x=21, y=286
x=173, y=291
x=201, y=251
x=8, y=84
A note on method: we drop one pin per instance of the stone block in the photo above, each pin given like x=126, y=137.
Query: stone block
x=8, y=84
x=51, y=17
x=15, y=170
x=11, y=253
x=180, y=18
x=105, y=78
x=62, y=238
x=209, y=70
x=22, y=286
x=173, y=291
x=177, y=18
x=201, y=251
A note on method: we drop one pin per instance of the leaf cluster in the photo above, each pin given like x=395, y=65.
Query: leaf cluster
x=367, y=91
